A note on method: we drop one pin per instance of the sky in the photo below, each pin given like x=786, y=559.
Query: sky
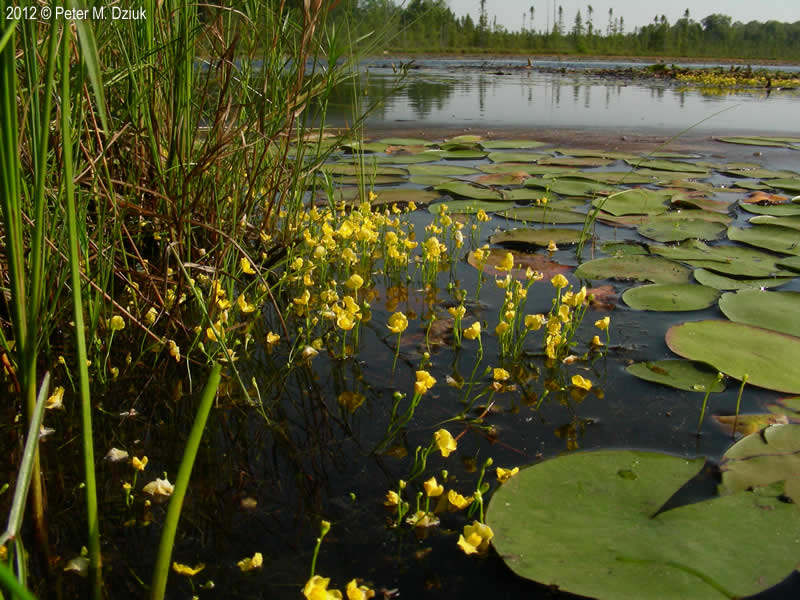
x=635, y=12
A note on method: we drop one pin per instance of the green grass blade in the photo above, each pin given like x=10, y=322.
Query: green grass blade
x=8, y=581
x=91, y=59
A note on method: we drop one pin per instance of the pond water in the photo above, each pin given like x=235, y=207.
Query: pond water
x=262, y=483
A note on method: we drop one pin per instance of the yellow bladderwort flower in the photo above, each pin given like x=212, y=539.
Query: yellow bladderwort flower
x=397, y=323
x=501, y=328
x=424, y=382
x=355, y=281
x=482, y=216
x=563, y=313
x=507, y=263
x=580, y=297
x=186, y=570
x=244, y=306
x=223, y=303
x=117, y=323
x=297, y=264
x=473, y=331
x=250, y=563
x=457, y=500
x=150, y=316
x=247, y=268
x=174, y=350
x=602, y=324
x=503, y=283
x=504, y=475
x=445, y=442
x=499, y=374
x=345, y=230
x=432, y=488
x=596, y=341
x=345, y=321
x=351, y=307
x=433, y=248
x=534, y=322
x=302, y=299
x=272, y=339
x=581, y=382
x=475, y=538
x=457, y=312
x=211, y=336
x=358, y=592
x=139, y=463
x=56, y=400
x=316, y=588
x=412, y=206
x=392, y=498
x=372, y=196
x=559, y=281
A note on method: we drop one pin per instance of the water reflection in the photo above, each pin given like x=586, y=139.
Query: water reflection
x=447, y=96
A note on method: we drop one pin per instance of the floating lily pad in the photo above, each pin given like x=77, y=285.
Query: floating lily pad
x=430, y=179
x=623, y=248
x=464, y=139
x=779, y=311
x=731, y=260
x=522, y=261
x=670, y=297
x=401, y=141
x=753, y=141
x=568, y=161
x=537, y=237
x=768, y=358
x=678, y=373
x=591, y=523
x=441, y=170
x=789, y=185
x=391, y=196
x=521, y=194
x=462, y=154
x=369, y=170
x=511, y=144
x=407, y=159
x=470, y=191
x=771, y=237
x=677, y=230
x=636, y=220
x=748, y=424
x=792, y=263
x=570, y=187
x=669, y=154
x=759, y=173
x=639, y=201
x=529, y=168
x=752, y=185
x=515, y=157
x=502, y=178
x=764, y=458
x=372, y=179
x=641, y=268
x=365, y=146
x=614, y=177
x=595, y=153
x=543, y=214
x=701, y=203
x=469, y=207
x=721, y=282
x=790, y=222
x=776, y=210
x=668, y=165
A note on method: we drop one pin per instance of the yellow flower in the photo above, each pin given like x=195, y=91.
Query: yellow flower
x=445, y=442
x=372, y=196
x=355, y=591
x=581, y=382
x=345, y=321
x=551, y=247
x=424, y=382
x=476, y=538
x=272, y=339
x=432, y=488
x=501, y=328
x=117, y=323
x=482, y=216
x=351, y=307
x=139, y=464
x=457, y=500
x=596, y=341
x=500, y=374
x=150, y=316
x=302, y=299
x=346, y=230
x=355, y=281
x=392, y=498
x=504, y=475
x=297, y=264
x=223, y=303
x=559, y=281
x=211, y=336
x=473, y=331
x=563, y=313
x=503, y=283
x=244, y=305
x=457, y=312
x=351, y=400
x=247, y=268
x=602, y=324
x=580, y=297
x=534, y=322
x=398, y=323
x=507, y=263
x=248, y=564
x=174, y=350
x=181, y=569
x=56, y=400
x=316, y=588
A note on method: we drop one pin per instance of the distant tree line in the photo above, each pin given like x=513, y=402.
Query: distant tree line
x=430, y=25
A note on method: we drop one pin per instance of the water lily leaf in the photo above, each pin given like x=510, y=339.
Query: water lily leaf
x=677, y=230
x=792, y=263
x=430, y=179
x=441, y=170
x=666, y=176
x=771, y=237
x=521, y=194
x=511, y=144
x=753, y=141
x=391, y=196
x=456, y=146
x=791, y=222
x=678, y=373
x=468, y=190
x=570, y=187
x=595, y=153
x=516, y=157
x=623, y=248
x=407, y=159
x=641, y=268
x=585, y=161
x=614, y=177
x=669, y=154
x=721, y=282
x=636, y=220
x=789, y=407
x=375, y=180
x=368, y=171
x=779, y=311
x=758, y=173
x=401, y=141
x=502, y=178
x=768, y=357
x=543, y=214
x=469, y=207
x=732, y=260
x=597, y=515
x=776, y=210
x=747, y=424
x=638, y=201
x=764, y=198
x=789, y=185
x=522, y=261
x=751, y=185
x=464, y=139
x=537, y=237
x=764, y=458
x=718, y=206
x=462, y=154
x=668, y=165
x=529, y=168
x=365, y=146
x=670, y=297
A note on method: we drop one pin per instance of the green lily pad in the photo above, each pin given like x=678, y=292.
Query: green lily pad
x=544, y=214
x=753, y=141
x=470, y=191
x=638, y=201
x=792, y=263
x=776, y=210
x=668, y=154
x=464, y=139
x=430, y=179
x=401, y=141
x=771, y=237
x=758, y=173
x=462, y=154
x=590, y=523
x=768, y=358
x=670, y=297
x=441, y=170
x=677, y=230
x=523, y=194
x=469, y=207
x=581, y=152
x=721, y=282
x=779, y=311
x=372, y=179
x=673, y=216
x=529, y=168
x=502, y=178
x=570, y=187
x=407, y=159
x=623, y=248
x=515, y=157
x=641, y=268
x=701, y=203
x=457, y=146
x=678, y=373
x=571, y=161
x=391, y=196
x=368, y=171
x=752, y=185
x=365, y=146
x=790, y=222
x=537, y=237
x=789, y=185
x=666, y=176
x=614, y=177
x=764, y=458
x=731, y=260
x=668, y=165
x=511, y=144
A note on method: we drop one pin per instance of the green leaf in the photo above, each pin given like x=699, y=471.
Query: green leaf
x=790, y=185
x=566, y=161
x=776, y=210
x=668, y=165
x=769, y=358
x=469, y=207
x=511, y=144
x=678, y=373
x=570, y=187
x=791, y=222
x=670, y=297
x=732, y=260
x=543, y=214
x=368, y=171
x=638, y=201
x=771, y=237
x=515, y=157
x=754, y=141
x=677, y=230
x=441, y=170
x=779, y=311
x=537, y=237
x=720, y=282
x=589, y=523
x=400, y=141
x=470, y=191
x=640, y=268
